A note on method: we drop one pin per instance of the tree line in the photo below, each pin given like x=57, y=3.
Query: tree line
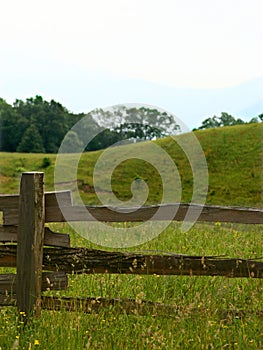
x=39, y=126
x=226, y=120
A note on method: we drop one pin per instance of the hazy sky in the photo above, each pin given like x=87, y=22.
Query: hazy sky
x=180, y=43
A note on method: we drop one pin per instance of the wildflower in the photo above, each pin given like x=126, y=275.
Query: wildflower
x=36, y=342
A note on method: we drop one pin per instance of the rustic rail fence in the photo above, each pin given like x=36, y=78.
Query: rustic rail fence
x=43, y=258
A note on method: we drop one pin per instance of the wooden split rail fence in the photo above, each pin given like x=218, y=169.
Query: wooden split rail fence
x=43, y=258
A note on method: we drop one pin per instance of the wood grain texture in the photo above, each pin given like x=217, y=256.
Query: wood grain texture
x=8, y=234
x=55, y=239
x=11, y=201
x=136, y=307
x=175, y=212
x=50, y=281
x=7, y=300
x=84, y=260
x=91, y=304
x=30, y=239
x=128, y=306
x=80, y=260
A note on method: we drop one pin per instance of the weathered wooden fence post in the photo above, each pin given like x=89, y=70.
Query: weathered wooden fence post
x=30, y=243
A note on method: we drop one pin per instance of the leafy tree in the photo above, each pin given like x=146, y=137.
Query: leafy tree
x=239, y=121
x=225, y=120
x=164, y=122
x=253, y=120
x=260, y=116
x=31, y=141
x=139, y=123
x=72, y=143
x=12, y=127
x=50, y=118
x=89, y=132
x=138, y=131
x=208, y=123
x=104, y=139
x=52, y=121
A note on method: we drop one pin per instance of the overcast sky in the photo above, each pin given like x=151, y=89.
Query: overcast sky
x=174, y=43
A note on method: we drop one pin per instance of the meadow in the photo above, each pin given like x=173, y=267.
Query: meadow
x=208, y=312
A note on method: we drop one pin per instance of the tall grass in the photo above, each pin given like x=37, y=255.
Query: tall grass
x=209, y=312
x=212, y=312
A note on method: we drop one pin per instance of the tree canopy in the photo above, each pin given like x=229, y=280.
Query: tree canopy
x=36, y=125
x=226, y=120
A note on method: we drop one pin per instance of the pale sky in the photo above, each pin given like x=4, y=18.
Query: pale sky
x=180, y=43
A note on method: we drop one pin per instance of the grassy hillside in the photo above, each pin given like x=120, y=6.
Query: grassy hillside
x=213, y=312
x=233, y=154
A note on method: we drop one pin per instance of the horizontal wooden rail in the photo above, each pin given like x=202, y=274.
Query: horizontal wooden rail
x=7, y=300
x=50, y=281
x=11, y=201
x=137, y=307
x=175, y=212
x=126, y=306
x=84, y=260
x=55, y=239
x=91, y=304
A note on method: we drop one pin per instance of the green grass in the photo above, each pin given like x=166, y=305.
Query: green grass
x=234, y=158
x=233, y=154
x=200, y=323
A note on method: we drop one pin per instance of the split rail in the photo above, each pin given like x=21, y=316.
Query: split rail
x=43, y=258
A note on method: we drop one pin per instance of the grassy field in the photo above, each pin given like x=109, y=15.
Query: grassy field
x=201, y=322
x=213, y=312
x=233, y=154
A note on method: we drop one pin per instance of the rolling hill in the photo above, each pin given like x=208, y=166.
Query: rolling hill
x=233, y=155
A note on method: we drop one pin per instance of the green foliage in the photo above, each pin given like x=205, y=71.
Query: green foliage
x=139, y=123
x=210, y=123
x=12, y=127
x=210, y=312
x=233, y=154
x=225, y=120
x=72, y=143
x=49, y=118
x=99, y=129
x=103, y=139
x=31, y=141
x=46, y=162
